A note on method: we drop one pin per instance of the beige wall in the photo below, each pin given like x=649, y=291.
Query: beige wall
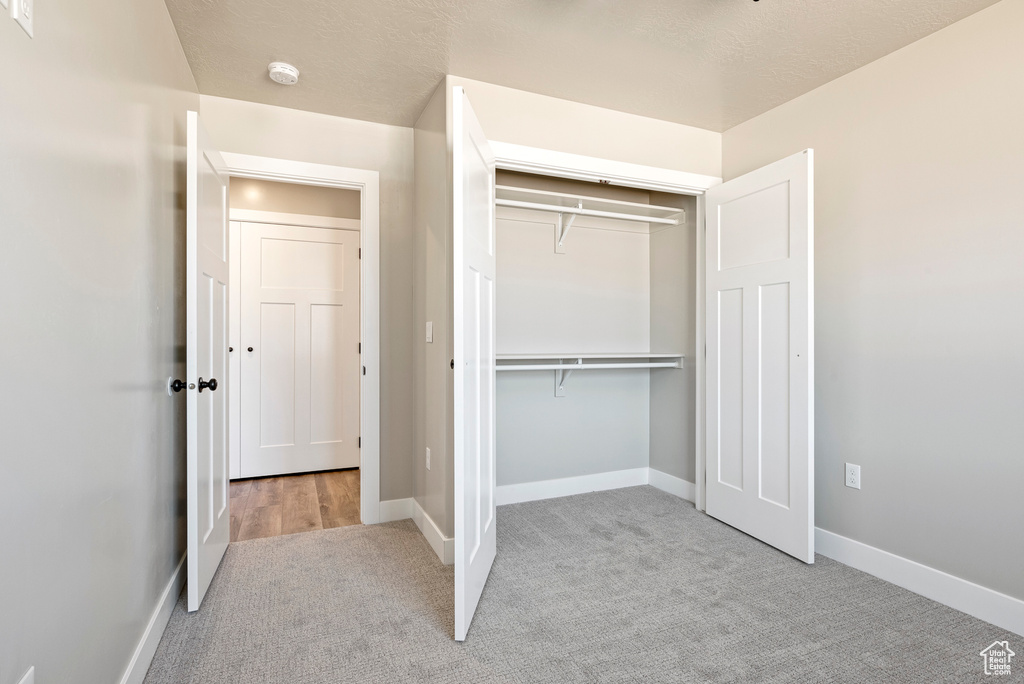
x=294, y=198
x=267, y=131
x=524, y=118
x=919, y=262
x=92, y=277
x=516, y=116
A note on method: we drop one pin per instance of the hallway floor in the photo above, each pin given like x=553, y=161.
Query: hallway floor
x=272, y=506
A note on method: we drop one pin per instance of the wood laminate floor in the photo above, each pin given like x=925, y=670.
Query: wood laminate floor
x=271, y=506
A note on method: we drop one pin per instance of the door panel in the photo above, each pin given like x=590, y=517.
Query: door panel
x=474, y=325
x=208, y=519
x=300, y=314
x=760, y=354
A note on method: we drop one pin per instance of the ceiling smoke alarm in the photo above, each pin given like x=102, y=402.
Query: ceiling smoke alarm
x=283, y=73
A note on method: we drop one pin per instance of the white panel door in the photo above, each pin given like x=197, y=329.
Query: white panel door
x=474, y=325
x=206, y=323
x=299, y=349
x=760, y=354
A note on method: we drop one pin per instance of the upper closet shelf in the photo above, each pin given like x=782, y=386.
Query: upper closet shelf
x=581, y=205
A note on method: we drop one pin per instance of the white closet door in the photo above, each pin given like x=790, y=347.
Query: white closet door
x=299, y=349
x=206, y=324
x=474, y=361
x=760, y=354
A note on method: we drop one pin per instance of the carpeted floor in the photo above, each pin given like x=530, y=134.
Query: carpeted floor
x=631, y=585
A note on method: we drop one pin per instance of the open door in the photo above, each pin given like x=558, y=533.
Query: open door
x=760, y=354
x=474, y=362
x=209, y=517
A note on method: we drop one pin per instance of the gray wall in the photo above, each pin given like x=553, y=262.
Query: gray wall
x=433, y=488
x=673, y=316
x=267, y=131
x=92, y=497
x=919, y=263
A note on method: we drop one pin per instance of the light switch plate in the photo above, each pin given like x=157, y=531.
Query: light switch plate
x=24, y=12
x=428, y=458
x=430, y=331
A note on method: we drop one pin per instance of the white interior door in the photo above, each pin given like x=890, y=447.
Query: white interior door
x=760, y=354
x=209, y=517
x=474, y=326
x=299, y=349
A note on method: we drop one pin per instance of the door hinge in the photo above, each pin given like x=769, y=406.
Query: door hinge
x=359, y=442
x=360, y=252
x=360, y=347
x=364, y=370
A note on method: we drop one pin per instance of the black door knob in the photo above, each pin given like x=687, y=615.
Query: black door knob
x=211, y=384
x=231, y=349
x=250, y=348
x=177, y=385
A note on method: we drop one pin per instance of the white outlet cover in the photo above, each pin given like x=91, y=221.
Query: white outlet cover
x=853, y=475
x=24, y=12
x=430, y=331
x=428, y=458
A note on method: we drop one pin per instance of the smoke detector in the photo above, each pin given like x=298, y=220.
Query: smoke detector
x=283, y=73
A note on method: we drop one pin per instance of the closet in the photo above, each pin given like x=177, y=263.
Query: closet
x=595, y=310
x=593, y=324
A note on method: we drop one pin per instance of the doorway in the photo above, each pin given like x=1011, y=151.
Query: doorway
x=304, y=338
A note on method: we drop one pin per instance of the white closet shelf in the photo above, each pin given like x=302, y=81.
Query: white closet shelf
x=590, y=361
x=581, y=205
x=565, y=365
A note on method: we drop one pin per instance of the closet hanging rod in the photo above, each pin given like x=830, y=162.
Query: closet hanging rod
x=519, y=204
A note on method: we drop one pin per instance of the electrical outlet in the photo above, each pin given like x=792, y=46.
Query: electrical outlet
x=430, y=331
x=30, y=676
x=23, y=12
x=428, y=458
x=853, y=475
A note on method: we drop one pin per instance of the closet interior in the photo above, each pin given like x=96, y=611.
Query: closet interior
x=595, y=309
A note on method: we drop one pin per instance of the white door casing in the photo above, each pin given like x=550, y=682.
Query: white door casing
x=474, y=267
x=208, y=515
x=300, y=317
x=759, y=289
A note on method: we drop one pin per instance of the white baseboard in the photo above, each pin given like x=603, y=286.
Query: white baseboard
x=443, y=546
x=684, y=489
x=985, y=604
x=396, y=509
x=598, y=482
x=567, y=486
x=146, y=648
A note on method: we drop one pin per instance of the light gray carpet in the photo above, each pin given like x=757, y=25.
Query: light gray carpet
x=631, y=585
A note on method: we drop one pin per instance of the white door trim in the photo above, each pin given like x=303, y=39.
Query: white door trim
x=283, y=219
x=511, y=157
x=368, y=185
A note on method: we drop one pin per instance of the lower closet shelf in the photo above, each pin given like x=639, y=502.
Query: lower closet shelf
x=535, y=362
x=565, y=365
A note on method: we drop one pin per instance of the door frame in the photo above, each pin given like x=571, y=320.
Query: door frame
x=367, y=183
x=524, y=159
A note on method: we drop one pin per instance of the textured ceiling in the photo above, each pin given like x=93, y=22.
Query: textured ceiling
x=706, y=63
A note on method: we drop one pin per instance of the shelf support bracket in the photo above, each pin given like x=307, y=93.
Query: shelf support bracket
x=564, y=224
x=561, y=375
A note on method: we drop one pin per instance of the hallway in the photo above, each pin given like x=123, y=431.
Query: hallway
x=272, y=506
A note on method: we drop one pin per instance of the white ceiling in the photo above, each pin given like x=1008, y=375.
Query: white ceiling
x=706, y=63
